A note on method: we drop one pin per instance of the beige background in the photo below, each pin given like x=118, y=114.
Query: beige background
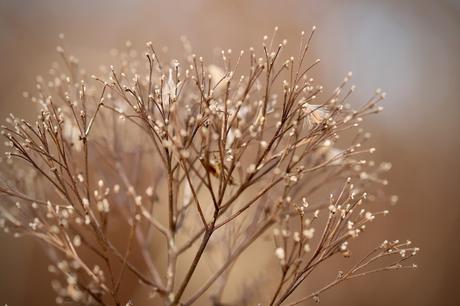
x=409, y=48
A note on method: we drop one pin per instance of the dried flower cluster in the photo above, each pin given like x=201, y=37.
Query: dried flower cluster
x=189, y=159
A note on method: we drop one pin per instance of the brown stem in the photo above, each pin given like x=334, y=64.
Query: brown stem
x=199, y=253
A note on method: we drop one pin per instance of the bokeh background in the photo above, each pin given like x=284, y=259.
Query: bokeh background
x=409, y=48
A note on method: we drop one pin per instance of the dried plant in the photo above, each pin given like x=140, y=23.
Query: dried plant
x=145, y=171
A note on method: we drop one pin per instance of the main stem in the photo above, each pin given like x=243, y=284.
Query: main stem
x=204, y=242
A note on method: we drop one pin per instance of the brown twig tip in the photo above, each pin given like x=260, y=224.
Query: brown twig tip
x=152, y=170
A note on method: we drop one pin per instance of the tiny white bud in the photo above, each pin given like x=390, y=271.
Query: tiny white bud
x=279, y=252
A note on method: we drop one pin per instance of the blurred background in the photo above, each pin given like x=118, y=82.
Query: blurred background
x=409, y=48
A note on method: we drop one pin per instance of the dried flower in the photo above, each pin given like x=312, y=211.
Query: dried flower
x=208, y=157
